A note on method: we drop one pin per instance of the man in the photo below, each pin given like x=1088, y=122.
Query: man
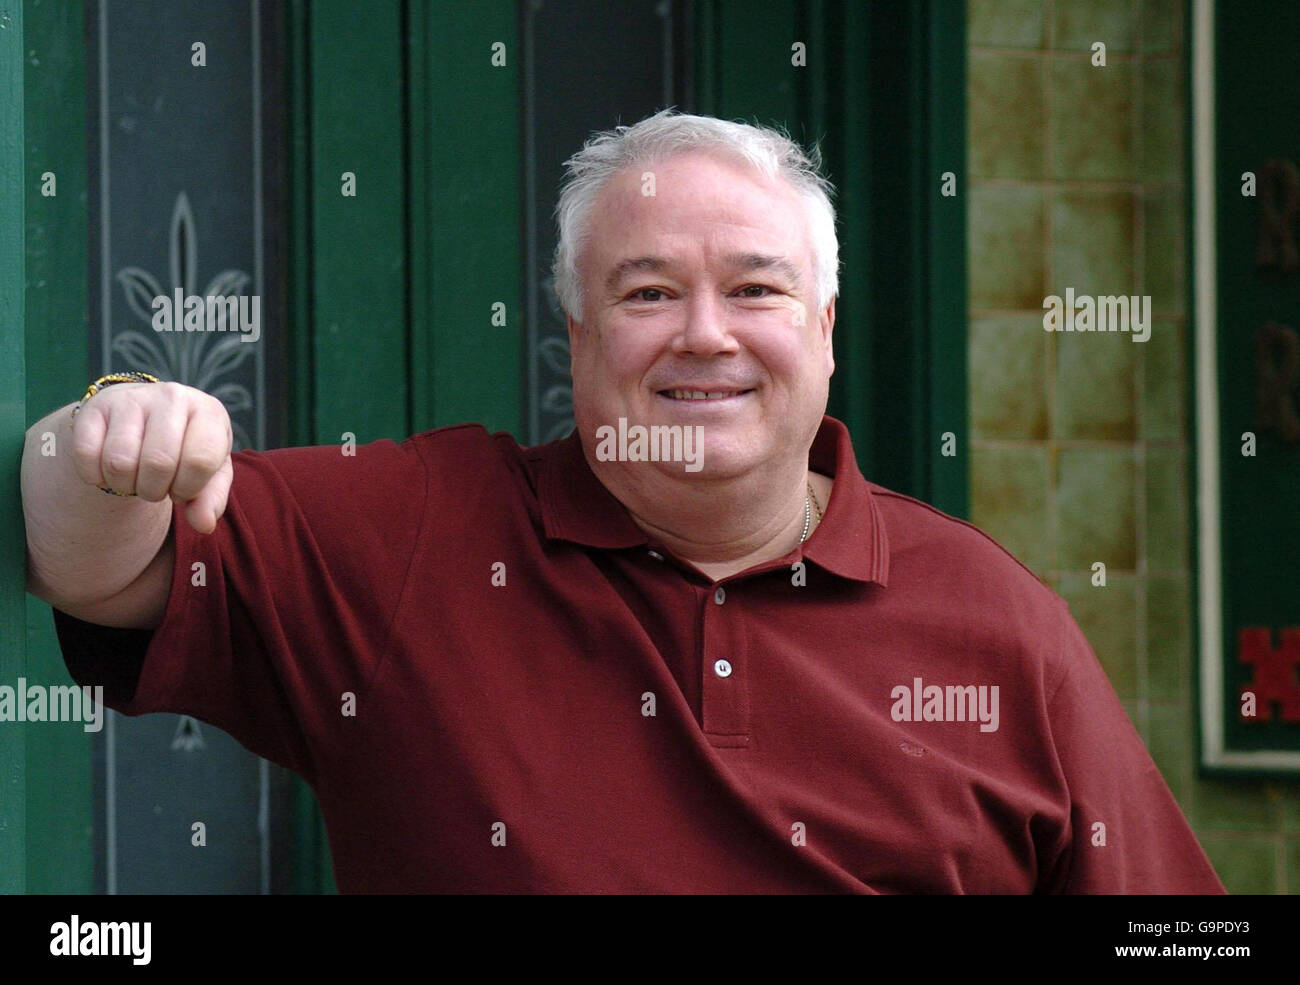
x=590, y=666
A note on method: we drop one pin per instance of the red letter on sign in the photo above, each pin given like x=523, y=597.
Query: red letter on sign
x=1275, y=671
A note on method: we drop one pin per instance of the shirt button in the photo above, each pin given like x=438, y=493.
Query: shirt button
x=722, y=668
x=720, y=595
x=656, y=555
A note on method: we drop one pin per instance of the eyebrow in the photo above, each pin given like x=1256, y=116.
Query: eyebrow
x=742, y=261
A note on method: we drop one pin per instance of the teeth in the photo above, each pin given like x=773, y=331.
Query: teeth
x=698, y=394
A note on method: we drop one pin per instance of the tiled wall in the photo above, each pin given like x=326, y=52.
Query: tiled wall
x=1080, y=442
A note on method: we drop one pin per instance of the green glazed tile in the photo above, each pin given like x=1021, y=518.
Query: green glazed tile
x=1244, y=804
x=1165, y=234
x=1075, y=25
x=1096, y=386
x=1164, y=375
x=1171, y=744
x=1108, y=617
x=1162, y=25
x=1092, y=121
x=1008, y=377
x=1291, y=809
x=1092, y=244
x=1004, y=23
x=1009, y=499
x=1006, y=248
x=1168, y=526
x=1005, y=115
x=1095, y=508
x=1169, y=638
x=1162, y=140
x=1245, y=866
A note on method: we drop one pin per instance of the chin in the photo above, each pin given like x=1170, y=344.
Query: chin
x=723, y=459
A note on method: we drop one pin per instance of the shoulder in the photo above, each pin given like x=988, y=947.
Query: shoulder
x=967, y=578
x=919, y=532
x=478, y=462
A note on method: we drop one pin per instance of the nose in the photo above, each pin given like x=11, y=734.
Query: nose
x=706, y=331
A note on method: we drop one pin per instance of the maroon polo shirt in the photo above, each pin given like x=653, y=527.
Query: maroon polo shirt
x=494, y=682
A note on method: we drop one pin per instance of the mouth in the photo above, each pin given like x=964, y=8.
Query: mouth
x=703, y=396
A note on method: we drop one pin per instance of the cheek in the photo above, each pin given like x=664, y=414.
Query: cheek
x=630, y=349
x=611, y=357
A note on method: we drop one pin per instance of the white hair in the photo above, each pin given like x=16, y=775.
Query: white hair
x=664, y=135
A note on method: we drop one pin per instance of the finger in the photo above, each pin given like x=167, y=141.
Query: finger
x=160, y=450
x=207, y=507
x=89, y=428
x=121, y=453
x=204, y=451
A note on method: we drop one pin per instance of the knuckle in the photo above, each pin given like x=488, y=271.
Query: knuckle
x=205, y=460
x=158, y=460
x=84, y=451
x=151, y=492
x=118, y=463
x=217, y=408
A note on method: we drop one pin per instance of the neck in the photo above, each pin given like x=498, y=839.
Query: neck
x=718, y=525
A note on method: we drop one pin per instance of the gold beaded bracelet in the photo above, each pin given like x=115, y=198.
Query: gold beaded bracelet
x=109, y=380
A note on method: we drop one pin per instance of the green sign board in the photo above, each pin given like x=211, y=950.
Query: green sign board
x=1246, y=151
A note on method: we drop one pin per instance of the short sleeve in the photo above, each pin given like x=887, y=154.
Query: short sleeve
x=1126, y=833
x=280, y=611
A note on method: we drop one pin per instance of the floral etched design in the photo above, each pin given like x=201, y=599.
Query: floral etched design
x=197, y=359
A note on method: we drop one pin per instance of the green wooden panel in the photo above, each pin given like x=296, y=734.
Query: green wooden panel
x=60, y=789
x=358, y=243
x=466, y=215
x=752, y=71
x=13, y=422
x=848, y=150
x=915, y=320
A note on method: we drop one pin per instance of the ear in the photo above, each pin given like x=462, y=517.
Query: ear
x=827, y=319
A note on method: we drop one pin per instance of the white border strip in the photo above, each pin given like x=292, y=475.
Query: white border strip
x=1210, y=568
x=1207, y=390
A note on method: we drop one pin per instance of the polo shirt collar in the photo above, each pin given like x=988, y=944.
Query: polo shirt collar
x=850, y=540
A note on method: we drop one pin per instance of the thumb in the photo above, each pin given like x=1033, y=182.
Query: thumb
x=203, y=511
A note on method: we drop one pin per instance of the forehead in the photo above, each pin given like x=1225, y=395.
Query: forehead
x=699, y=200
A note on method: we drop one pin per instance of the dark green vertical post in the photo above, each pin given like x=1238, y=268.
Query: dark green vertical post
x=300, y=276
x=60, y=782
x=13, y=424
x=466, y=215
x=358, y=246
x=848, y=158
x=944, y=228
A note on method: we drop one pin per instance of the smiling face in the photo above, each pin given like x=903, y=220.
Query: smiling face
x=705, y=287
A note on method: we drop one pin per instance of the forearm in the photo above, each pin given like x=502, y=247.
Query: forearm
x=83, y=545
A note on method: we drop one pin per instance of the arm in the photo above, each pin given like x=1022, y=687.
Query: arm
x=108, y=559
x=1127, y=832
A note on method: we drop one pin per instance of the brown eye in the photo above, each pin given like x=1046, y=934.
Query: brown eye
x=755, y=287
x=647, y=290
